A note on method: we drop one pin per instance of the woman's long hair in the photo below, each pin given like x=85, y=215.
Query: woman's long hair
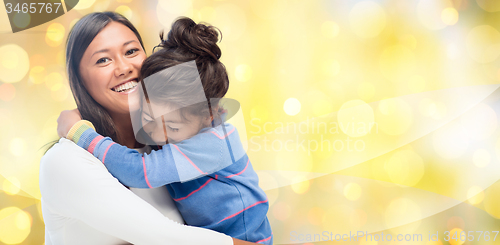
x=79, y=38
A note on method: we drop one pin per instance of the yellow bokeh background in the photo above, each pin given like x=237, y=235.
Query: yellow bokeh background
x=370, y=116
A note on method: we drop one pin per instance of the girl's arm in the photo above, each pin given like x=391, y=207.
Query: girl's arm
x=76, y=185
x=200, y=155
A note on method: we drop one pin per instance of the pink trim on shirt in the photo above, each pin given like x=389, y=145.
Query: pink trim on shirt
x=182, y=198
x=145, y=172
x=189, y=160
x=233, y=215
x=264, y=240
x=232, y=175
x=106, y=151
x=94, y=143
x=223, y=137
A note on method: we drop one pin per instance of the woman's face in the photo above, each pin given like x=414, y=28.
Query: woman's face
x=110, y=67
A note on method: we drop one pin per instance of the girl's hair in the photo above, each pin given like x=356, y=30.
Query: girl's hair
x=188, y=41
x=79, y=38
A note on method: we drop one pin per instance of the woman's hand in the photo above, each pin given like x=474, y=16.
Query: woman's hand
x=66, y=120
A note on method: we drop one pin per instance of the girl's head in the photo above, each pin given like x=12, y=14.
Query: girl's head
x=191, y=69
x=104, y=54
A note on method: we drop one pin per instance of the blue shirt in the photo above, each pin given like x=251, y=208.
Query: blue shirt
x=209, y=176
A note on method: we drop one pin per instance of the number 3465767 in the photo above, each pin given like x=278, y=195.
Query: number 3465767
x=33, y=8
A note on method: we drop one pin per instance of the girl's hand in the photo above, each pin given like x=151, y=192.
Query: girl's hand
x=66, y=120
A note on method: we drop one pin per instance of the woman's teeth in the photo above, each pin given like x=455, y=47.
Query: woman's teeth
x=125, y=87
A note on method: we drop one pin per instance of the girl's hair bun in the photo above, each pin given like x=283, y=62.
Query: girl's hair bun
x=199, y=39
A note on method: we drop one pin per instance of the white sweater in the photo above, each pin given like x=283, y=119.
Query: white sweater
x=83, y=204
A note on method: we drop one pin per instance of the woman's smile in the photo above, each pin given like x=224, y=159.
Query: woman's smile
x=126, y=87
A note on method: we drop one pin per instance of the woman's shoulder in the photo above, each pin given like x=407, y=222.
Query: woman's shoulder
x=65, y=167
x=65, y=154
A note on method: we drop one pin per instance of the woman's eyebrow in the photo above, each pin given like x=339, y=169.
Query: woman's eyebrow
x=106, y=50
x=129, y=42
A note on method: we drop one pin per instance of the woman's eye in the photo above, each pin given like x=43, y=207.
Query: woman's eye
x=102, y=60
x=173, y=129
x=132, y=51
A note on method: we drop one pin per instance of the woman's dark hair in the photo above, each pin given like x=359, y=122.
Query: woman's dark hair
x=187, y=41
x=79, y=38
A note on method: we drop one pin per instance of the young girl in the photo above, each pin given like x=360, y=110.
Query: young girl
x=202, y=161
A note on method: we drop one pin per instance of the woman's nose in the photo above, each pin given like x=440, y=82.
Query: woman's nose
x=123, y=67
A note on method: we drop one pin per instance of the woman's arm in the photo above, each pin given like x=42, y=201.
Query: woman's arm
x=76, y=185
x=200, y=155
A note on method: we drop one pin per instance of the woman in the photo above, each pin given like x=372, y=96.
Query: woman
x=81, y=202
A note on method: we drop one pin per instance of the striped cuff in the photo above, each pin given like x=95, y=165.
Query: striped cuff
x=78, y=128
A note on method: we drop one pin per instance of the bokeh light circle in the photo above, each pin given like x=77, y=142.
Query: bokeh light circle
x=337, y=217
x=281, y=211
x=55, y=34
x=430, y=13
x=455, y=238
x=37, y=74
x=405, y=168
x=450, y=142
x=449, y=16
x=356, y=118
x=54, y=81
x=11, y=185
x=14, y=63
x=317, y=101
x=475, y=195
x=125, y=11
x=481, y=158
x=292, y=106
x=480, y=122
x=300, y=185
x=7, y=92
x=367, y=19
x=243, y=73
x=394, y=116
x=21, y=20
x=352, y=191
x=259, y=114
x=84, y=4
x=15, y=225
x=17, y=146
x=314, y=215
x=330, y=29
x=483, y=43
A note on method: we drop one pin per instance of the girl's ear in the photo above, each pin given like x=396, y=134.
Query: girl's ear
x=207, y=120
x=209, y=117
